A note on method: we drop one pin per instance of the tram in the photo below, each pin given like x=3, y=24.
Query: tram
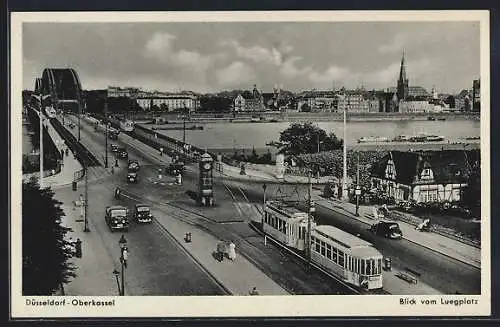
x=286, y=224
x=350, y=258
x=356, y=261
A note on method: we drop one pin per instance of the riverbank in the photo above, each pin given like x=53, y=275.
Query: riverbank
x=277, y=117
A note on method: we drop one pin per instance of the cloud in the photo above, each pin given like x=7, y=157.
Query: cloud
x=256, y=53
x=160, y=47
x=331, y=74
x=397, y=44
x=234, y=74
x=389, y=74
x=290, y=70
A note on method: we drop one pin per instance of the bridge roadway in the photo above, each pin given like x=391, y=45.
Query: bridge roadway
x=439, y=271
x=227, y=221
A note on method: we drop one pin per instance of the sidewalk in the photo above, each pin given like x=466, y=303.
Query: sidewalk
x=94, y=265
x=435, y=242
x=238, y=276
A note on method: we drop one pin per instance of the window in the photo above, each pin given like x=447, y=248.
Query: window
x=323, y=248
x=334, y=255
x=362, y=268
x=379, y=266
x=368, y=267
x=341, y=258
x=329, y=251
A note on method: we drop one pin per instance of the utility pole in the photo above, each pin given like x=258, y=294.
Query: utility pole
x=344, y=182
x=79, y=114
x=309, y=207
x=106, y=134
x=41, y=142
x=264, y=186
x=317, y=177
x=86, y=224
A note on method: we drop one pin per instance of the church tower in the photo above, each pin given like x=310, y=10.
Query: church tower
x=402, y=91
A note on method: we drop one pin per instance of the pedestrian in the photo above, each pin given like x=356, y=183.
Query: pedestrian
x=221, y=249
x=62, y=152
x=254, y=291
x=67, y=152
x=78, y=248
x=232, y=251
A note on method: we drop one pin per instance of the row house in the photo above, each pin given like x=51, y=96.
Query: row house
x=253, y=102
x=434, y=176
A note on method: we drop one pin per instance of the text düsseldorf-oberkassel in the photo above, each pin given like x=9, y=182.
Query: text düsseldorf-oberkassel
x=73, y=302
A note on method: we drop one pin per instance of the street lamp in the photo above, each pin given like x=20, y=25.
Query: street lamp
x=344, y=182
x=107, y=124
x=41, y=146
x=264, y=186
x=358, y=189
x=123, y=260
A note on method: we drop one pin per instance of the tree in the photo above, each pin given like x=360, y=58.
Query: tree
x=45, y=252
x=303, y=138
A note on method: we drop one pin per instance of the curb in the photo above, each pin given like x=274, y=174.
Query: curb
x=407, y=239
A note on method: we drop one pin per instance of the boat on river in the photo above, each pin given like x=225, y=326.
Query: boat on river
x=369, y=139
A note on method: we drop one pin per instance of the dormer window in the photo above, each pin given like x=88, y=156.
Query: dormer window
x=427, y=174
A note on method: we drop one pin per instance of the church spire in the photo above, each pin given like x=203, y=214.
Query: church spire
x=402, y=89
x=402, y=70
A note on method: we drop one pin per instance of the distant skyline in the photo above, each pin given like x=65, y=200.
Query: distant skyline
x=210, y=57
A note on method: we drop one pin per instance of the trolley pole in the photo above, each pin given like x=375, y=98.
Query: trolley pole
x=86, y=224
x=309, y=207
x=317, y=179
x=344, y=182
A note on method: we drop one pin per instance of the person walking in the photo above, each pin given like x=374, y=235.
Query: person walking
x=221, y=249
x=232, y=251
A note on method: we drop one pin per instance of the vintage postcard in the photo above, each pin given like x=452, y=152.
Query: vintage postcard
x=250, y=164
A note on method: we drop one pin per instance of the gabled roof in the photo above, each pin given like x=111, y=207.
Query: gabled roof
x=447, y=166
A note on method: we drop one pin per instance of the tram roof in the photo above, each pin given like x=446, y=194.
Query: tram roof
x=284, y=208
x=339, y=236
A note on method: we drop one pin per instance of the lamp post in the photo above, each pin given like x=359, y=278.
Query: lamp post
x=79, y=114
x=123, y=260
x=86, y=224
x=41, y=143
x=106, y=133
x=344, y=182
x=310, y=210
x=358, y=189
x=264, y=186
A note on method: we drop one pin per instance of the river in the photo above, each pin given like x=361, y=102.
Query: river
x=248, y=135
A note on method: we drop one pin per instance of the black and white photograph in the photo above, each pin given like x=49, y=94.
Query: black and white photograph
x=191, y=164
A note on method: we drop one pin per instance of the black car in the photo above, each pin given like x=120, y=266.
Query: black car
x=122, y=153
x=113, y=136
x=132, y=177
x=176, y=168
x=114, y=148
x=387, y=229
x=117, y=217
x=143, y=214
x=133, y=166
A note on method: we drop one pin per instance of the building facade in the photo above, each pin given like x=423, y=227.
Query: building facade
x=171, y=102
x=422, y=176
x=125, y=92
x=249, y=102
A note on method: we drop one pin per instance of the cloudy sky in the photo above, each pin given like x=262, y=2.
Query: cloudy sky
x=206, y=57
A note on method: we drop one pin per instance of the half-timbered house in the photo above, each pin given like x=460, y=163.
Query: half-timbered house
x=430, y=176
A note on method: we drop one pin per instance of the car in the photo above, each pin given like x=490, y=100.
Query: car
x=122, y=153
x=142, y=213
x=176, y=167
x=113, y=136
x=117, y=217
x=114, y=147
x=387, y=229
x=132, y=177
x=133, y=166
